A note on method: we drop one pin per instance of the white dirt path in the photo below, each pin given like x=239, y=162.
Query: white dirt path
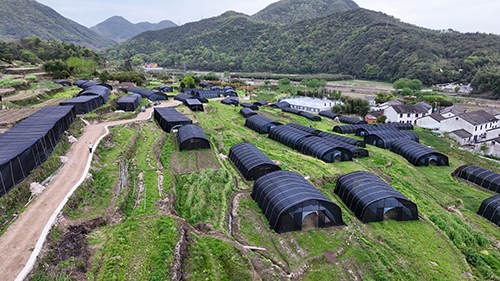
x=21, y=243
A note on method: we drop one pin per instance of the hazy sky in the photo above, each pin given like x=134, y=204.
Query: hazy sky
x=461, y=15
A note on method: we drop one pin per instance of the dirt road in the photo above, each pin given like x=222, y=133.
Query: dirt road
x=18, y=242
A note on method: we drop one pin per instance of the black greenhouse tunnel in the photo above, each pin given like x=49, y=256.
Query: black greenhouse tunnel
x=291, y=203
x=480, y=176
x=192, y=137
x=490, y=209
x=371, y=199
x=250, y=161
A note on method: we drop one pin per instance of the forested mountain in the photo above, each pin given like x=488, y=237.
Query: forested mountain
x=26, y=18
x=290, y=11
x=119, y=29
x=358, y=42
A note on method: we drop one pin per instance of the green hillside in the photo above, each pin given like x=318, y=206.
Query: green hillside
x=119, y=29
x=290, y=11
x=189, y=214
x=27, y=18
x=358, y=42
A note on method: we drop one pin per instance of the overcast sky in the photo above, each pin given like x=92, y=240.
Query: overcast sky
x=460, y=15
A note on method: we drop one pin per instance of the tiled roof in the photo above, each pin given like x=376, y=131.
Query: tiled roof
x=477, y=117
x=436, y=116
x=492, y=111
x=461, y=134
x=455, y=109
x=410, y=108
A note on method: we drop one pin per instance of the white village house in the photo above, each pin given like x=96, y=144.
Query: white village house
x=470, y=126
x=314, y=105
x=407, y=113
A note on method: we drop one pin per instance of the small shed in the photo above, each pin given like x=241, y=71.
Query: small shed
x=168, y=118
x=250, y=161
x=192, y=137
x=261, y=124
x=129, y=103
x=371, y=199
x=194, y=104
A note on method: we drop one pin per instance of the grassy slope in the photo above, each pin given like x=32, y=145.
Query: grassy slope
x=428, y=249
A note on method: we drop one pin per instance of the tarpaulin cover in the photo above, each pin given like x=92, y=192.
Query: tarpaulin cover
x=289, y=202
x=291, y=110
x=129, y=103
x=194, y=104
x=165, y=89
x=192, y=137
x=260, y=103
x=29, y=143
x=250, y=161
x=419, y=154
x=310, y=130
x=168, y=118
x=372, y=199
x=350, y=129
x=349, y=120
x=87, y=84
x=84, y=104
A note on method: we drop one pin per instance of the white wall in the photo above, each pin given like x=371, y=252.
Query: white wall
x=393, y=116
x=427, y=122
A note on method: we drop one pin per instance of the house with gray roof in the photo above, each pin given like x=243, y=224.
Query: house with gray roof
x=453, y=110
x=407, y=113
x=476, y=123
x=431, y=121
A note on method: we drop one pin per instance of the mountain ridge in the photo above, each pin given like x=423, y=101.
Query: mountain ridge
x=119, y=29
x=27, y=18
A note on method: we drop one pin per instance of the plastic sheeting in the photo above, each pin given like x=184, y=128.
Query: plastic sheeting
x=231, y=101
x=100, y=91
x=291, y=203
x=194, y=104
x=260, y=103
x=328, y=114
x=310, y=116
x=349, y=120
x=149, y=94
x=192, y=137
x=168, y=118
x=371, y=199
x=345, y=139
x=280, y=105
x=250, y=161
x=419, y=154
x=29, y=143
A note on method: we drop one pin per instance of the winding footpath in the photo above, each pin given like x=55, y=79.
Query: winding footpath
x=22, y=242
